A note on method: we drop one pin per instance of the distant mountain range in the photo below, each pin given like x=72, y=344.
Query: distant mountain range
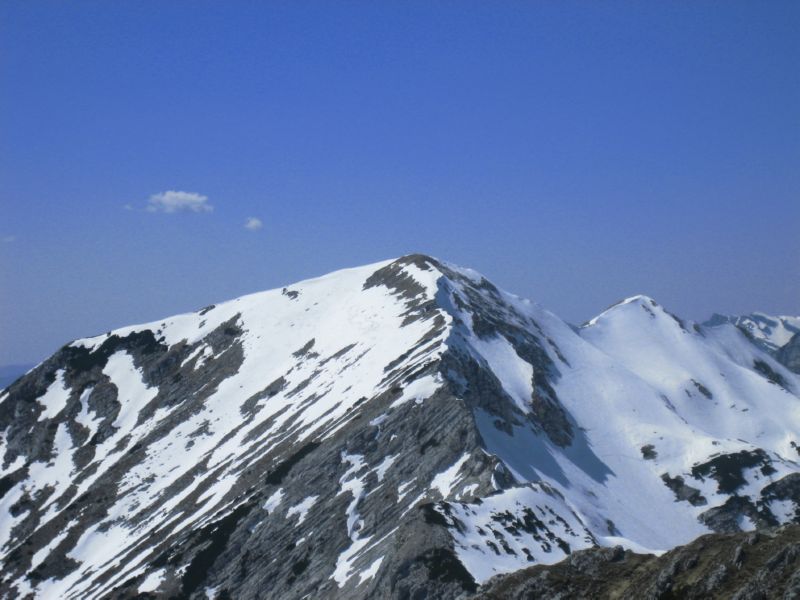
x=771, y=333
x=399, y=430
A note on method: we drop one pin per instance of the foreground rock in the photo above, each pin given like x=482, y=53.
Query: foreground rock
x=741, y=566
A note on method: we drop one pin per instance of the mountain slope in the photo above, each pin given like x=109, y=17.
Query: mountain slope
x=394, y=430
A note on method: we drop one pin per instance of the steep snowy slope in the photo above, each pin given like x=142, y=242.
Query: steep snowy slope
x=397, y=429
x=734, y=410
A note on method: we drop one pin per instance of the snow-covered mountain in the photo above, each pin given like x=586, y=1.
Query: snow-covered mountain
x=399, y=430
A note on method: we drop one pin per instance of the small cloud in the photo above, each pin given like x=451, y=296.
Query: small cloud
x=128, y=207
x=174, y=201
x=253, y=224
x=9, y=238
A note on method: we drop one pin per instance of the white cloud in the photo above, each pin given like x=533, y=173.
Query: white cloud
x=174, y=201
x=9, y=238
x=253, y=224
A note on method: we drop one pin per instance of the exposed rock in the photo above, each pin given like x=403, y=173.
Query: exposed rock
x=684, y=492
x=789, y=355
x=728, y=469
x=649, y=452
x=717, y=566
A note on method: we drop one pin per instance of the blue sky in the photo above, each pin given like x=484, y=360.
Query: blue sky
x=575, y=153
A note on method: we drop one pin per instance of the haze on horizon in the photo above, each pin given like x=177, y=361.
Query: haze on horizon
x=158, y=157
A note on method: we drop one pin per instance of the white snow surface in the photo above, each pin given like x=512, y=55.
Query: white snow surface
x=55, y=398
x=445, y=481
x=274, y=500
x=301, y=509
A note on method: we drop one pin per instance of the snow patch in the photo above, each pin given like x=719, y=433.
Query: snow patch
x=302, y=508
x=418, y=390
x=55, y=398
x=447, y=479
x=514, y=373
x=370, y=571
x=151, y=582
x=387, y=462
x=274, y=500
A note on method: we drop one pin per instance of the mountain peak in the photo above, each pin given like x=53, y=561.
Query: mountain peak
x=400, y=429
x=629, y=306
x=640, y=299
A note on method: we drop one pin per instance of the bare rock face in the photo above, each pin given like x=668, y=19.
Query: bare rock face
x=789, y=355
x=742, y=566
x=402, y=430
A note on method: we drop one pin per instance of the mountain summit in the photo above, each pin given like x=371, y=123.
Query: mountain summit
x=400, y=430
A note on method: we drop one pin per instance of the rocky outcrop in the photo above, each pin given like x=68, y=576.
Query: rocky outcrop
x=789, y=355
x=742, y=566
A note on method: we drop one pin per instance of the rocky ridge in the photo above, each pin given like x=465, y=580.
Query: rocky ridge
x=737, y=566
